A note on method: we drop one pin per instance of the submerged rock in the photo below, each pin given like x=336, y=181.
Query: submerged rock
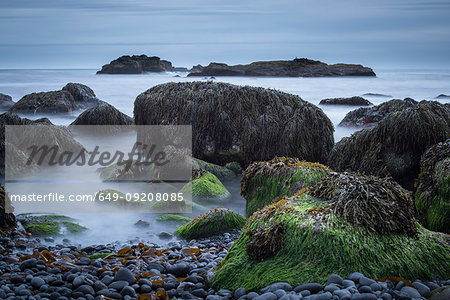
x=319, y=242
x=369, y=116
x=262, y=182
x=49, y=225
x=206, y=187
x=394, y=146
x=432, y=197
x=353, y=101
x=105, y=114
x=242, y=124
x=443, y=96
x=136, y=64
x=213, y=222
x=173, y=218
x=83, y=95
x=5, y=102
x=299, y=67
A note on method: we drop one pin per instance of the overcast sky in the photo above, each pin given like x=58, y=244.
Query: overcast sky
x=90, y=33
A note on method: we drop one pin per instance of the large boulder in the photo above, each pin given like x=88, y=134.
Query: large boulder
x=103, y=115
x=299, y=67
x=136, y=64
x=234, y=123
x=394, y=146
x=263, y=182
x=73, y=96
x=306, y=239
x=213, y=222
x=369, y=116
x=5, y=102
x=352, y=101
x=432, y=197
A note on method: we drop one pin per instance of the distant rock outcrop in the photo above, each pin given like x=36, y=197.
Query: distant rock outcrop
x=443, y=96
x=353, y=101
x=369, y=116
x=137, y=64
x=299, y=67
x=5, y=102
x=73, y=96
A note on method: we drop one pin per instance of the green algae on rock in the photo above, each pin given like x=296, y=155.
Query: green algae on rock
x=173, y=218
x=262, y=182
x=223, y=173
x=432, y=197
x=213, y=222
x=49, y=225
x=206, y=186
x=318, y=243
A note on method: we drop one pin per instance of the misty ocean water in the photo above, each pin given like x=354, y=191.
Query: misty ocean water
x=121, y=91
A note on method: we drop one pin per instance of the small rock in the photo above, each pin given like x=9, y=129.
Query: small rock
x=28, y=264
x=334, y=278
x=343, y=294
x=37, y=282
x=267, y=296
x=423, y=290
x=442, y=293
x=410, y=292
x=118, y=285
x=84, y=261
x=277, y=286
x=142, y=224
x=165, y=235
x=128, y=291
x=355, y=277
x=86, y=290
x=324, y=296
x=366, y=281
x=238, y=293
x=364, y=296
x=364, y=289
x=125, y=274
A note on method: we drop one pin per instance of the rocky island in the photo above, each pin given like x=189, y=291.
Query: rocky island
x=299, y=67
x=138, y=64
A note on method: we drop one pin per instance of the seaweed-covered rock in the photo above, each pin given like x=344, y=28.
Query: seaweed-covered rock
x=7, y=219
x=5, y=102
x=223, y=173
x=206, y=186
x=73, y=96
x=432, y=197
x=379, y=205
x=299, y=67
x=317, y=243
x=394, y=146
x=262, y=182
x=235, y=167
x=136, y=64
x=49, y=225
x=352, y=101
x=103, y=115
x=213, y=222
x=243, y=124
x=173, y=218
x=45, y=103
x=370, y=116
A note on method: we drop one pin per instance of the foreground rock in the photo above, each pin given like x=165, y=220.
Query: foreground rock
x=5, y=102
x=433, y=189
x=393, y=147
x=243, y=124
x=262, y=182
x=352, y=101
x=299, y=67
x=369, y=116
x=287, y=241
x=136, y=64
x=72, y=97
x=213, y=222
x=103, y=115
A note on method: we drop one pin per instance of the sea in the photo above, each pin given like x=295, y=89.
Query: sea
x=121, y=91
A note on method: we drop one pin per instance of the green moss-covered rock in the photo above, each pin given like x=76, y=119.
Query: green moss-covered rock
x=235, y=167
x=302, y=239
x=262, y=182
x=223, y=173
x=432, y=197
x=206, y=186
x=49, y=225
x=216, y=221
x=173, y=218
